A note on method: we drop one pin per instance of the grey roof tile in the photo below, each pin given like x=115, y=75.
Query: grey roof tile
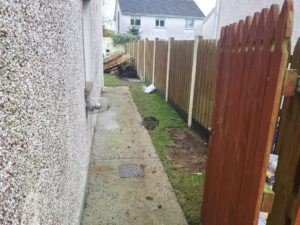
x=176, y=8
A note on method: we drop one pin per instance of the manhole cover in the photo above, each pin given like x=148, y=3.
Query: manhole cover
x=131, y=171
x=150, y=122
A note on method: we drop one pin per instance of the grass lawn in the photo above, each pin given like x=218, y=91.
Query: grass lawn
x=187, y=186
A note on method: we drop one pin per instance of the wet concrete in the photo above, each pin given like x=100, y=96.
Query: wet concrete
x=121, y=140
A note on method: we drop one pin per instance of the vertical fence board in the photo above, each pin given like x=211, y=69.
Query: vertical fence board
x=149, y=61
x=161, y=66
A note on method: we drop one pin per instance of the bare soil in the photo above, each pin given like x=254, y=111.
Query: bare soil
x=189, y=154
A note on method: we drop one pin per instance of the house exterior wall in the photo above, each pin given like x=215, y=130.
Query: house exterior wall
x=45, y=133
x=174, y=27
x=235, y=10
x=208, y=29
x=109, y=44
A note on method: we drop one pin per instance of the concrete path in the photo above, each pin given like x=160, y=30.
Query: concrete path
x=119, y=140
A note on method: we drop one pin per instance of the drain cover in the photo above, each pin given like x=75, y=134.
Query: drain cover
x=131, y=171
x=150, y=122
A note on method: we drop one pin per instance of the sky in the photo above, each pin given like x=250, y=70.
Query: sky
x=109, y=6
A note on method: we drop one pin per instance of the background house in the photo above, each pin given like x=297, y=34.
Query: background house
x=229, y=11
x=49, y=49
x=180, y=19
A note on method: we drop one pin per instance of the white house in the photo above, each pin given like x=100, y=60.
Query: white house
x=181, y=19
x=230, y=11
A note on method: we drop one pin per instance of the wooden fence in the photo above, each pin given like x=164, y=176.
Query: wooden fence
x=173, y=73
x=251, y=62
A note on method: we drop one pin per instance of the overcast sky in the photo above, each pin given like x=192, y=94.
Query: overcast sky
x=109, y=6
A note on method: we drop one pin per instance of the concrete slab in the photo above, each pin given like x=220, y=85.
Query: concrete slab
x=131, y=171
x=120, y=139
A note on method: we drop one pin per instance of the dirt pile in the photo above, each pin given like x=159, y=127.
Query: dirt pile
x=189, y=153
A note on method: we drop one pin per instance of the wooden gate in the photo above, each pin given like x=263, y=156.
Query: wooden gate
x=252, y=57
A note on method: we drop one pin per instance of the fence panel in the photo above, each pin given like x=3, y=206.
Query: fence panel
x=252, y=57
x=161, y=66
x=181, y=60
x=149, y=60
x=141, y=59
x=205, y=82
x=286, y=207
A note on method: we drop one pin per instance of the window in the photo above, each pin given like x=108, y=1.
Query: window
x=135, y=21
x=189, y=23
x=160, y=22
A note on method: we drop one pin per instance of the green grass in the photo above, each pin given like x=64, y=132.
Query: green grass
x=112, y=80
x=187, y=186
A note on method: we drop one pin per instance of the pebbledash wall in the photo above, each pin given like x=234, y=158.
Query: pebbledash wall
x=45, y=133
x=235, y=10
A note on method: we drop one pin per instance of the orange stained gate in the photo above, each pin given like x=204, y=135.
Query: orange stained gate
x=252, y=58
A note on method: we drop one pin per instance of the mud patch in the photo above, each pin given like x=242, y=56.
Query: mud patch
x=150, y=122
x=190, y=151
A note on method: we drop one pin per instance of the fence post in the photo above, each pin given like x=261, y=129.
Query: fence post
x=138, y=59
x=168, y=67
x=133, y=43
x=145, y=48
x=193, y=78
x=154, y=56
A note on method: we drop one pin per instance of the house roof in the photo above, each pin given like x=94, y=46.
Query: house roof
x=172, y=8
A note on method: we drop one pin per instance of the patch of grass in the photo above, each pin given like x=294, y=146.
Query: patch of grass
x=112, y=80
x=187, y=187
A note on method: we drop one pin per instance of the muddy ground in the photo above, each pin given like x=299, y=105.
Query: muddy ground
x=189, y=154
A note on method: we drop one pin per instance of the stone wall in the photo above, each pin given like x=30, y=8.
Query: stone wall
x=45, y=133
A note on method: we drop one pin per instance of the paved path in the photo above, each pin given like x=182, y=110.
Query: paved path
x=120, y=139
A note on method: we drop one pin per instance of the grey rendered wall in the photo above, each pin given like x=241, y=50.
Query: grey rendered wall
x=45, y=134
